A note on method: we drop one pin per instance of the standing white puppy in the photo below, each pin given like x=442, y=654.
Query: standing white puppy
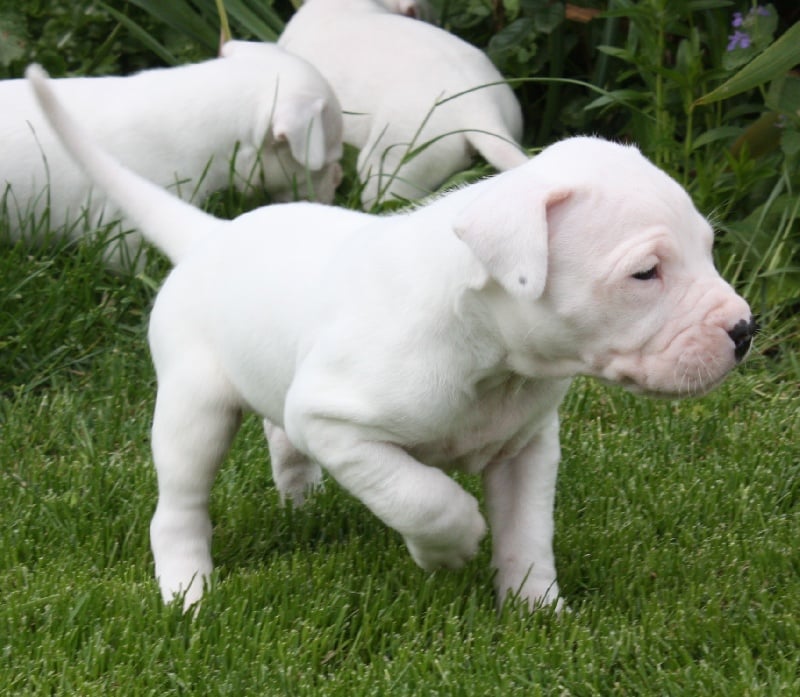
x=391, y=75
x=257, y=117
x=391, y=349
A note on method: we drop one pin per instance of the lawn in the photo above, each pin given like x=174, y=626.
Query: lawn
x=676, y=536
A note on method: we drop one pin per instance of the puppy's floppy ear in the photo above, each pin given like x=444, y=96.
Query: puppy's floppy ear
x=298, y=120
x=507, y=229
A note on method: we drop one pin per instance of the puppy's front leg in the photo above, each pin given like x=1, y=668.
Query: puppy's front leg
x=439, y=521
x=520, y=493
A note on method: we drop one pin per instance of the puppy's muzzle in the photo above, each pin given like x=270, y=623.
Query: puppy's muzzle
x=742, y=336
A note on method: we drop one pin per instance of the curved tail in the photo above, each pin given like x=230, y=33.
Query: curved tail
x=171, y=224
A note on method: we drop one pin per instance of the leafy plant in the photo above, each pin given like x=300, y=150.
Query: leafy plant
x=200, y=20
x=81, y=38
x=533, y=38
x=767, y=241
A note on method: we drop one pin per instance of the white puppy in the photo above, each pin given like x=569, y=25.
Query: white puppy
x=256, y=117
x=391, y=75
x=390, y=350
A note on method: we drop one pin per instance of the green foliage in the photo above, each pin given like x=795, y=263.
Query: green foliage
x=527, y=38
x=80, y=38
x=514, y=47
x=201, y=21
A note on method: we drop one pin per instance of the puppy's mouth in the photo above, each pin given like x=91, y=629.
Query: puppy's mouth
x=636, y=389
x=676, y=371
x=690, y=387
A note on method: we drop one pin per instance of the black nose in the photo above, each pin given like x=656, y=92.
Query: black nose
x=742, y=336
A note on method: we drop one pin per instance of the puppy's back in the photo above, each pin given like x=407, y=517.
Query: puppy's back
x=168, y=222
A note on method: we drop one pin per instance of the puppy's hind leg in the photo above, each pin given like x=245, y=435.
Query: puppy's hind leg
x=294, y=474
x=193, y=426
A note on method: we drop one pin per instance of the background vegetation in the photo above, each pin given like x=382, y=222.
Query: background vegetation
x=636, y=71
x=677, y=523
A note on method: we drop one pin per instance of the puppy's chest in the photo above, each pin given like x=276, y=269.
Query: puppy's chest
x=495, y=425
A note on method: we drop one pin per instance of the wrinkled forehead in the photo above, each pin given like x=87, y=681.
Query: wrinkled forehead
x=621, y=204
x=661, y=221
x=647, y=197
x=625, y=190
x=619, y=170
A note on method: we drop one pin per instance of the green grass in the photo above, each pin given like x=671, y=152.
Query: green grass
x=676, y=536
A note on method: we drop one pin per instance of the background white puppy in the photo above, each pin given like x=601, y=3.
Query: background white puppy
x=179, y=127
x=388, y=349
x=389, y=73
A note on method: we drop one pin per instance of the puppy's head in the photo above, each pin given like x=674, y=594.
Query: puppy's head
x=607, y=265
x=306, y=146
x=297, y=130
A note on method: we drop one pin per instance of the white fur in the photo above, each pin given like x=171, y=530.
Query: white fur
x=178, y=127
x=390, y=350
x=389, y=73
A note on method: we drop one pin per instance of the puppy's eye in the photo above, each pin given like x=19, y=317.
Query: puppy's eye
x=648, y=275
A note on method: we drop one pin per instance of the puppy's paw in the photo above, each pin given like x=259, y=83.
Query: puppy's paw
x=178, y=585
x=540, y=591
x=453, y=541
x=181, y=544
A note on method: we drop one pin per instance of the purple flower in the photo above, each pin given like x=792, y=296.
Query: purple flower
x=739, y=39
x=743, y=24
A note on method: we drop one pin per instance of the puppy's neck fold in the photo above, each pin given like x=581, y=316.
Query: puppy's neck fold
x=528, y=339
